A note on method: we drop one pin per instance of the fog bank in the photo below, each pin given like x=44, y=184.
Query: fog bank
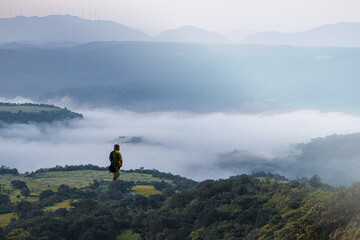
x=190, y=143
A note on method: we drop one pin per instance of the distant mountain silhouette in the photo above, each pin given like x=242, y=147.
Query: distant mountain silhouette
x=56, y=28
x=191, y=34
x=238, y=35
x=339, y=34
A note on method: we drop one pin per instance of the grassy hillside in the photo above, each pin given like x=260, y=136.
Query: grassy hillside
x=24, y=108
x=61, y=189
x=28, y=112
x=83, y=178
x=51, y=180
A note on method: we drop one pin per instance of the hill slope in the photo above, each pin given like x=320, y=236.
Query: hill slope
x=241, y=207
x=28, y=112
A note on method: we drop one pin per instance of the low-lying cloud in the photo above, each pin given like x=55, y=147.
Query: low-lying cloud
x=190, y=142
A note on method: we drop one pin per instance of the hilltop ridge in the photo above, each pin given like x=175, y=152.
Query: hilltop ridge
x=337, y=35
x=31, y=112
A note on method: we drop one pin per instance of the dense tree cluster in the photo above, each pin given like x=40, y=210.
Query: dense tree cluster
x=5, y=204
x=18, y=184
x=7, y=170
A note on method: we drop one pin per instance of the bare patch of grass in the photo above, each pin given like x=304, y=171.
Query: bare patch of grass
x=145, y=190
x=5, y=219
x=128, y=235
x=65, y=204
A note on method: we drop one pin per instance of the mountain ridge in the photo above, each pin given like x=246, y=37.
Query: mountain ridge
x=340, y=34
x=57, y=28
x=190, y=34
x=65, y=28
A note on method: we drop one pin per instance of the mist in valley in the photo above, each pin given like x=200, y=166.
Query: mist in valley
x=196, y=145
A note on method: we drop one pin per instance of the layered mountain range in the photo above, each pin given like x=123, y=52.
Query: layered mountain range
x=66, y=28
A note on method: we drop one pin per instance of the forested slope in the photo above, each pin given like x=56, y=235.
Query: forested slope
x=241, y=207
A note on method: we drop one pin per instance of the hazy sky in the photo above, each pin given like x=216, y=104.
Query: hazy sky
x=217, y=15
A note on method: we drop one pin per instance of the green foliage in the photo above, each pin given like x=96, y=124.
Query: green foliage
x=18, y=184
x=4, y=199
x=45, y=194
x=7, y=170
x=25, y=192
x=315, y=181
x=18, y=234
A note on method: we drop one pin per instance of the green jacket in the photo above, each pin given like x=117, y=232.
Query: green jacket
x=116, y=159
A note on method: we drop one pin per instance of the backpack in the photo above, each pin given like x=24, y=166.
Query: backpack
x=112, y=168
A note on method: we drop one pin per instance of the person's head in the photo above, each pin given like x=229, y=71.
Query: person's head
x=116, y=147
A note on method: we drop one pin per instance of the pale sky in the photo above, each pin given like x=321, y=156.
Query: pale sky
x=215, y=15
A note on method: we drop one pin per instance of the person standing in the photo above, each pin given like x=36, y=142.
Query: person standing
x=116, y=161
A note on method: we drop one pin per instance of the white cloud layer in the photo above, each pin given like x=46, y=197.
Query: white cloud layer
x=190, y=142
